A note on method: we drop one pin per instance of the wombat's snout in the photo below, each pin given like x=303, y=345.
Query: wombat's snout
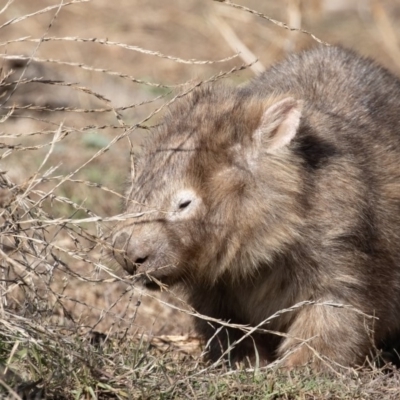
x=128, y=252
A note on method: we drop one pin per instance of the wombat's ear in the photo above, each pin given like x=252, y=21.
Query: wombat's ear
x=279, y=124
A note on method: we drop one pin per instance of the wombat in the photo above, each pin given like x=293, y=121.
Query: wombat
x=285, y=190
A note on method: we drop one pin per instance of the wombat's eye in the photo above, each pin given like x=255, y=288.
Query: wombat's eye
x=184, y=204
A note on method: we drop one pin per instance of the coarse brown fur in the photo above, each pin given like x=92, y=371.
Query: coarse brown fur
x=256, y=198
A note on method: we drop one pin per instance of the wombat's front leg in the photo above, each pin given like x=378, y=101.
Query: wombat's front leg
x=327, y=333
x=219, y=342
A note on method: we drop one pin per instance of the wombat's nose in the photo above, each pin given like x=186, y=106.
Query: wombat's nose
x=120, y=246
x=128, y=253
x=141, y=260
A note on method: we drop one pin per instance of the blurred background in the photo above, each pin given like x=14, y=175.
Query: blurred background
x=81, y=82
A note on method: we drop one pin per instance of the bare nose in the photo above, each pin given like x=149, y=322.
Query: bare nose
x=128, y=252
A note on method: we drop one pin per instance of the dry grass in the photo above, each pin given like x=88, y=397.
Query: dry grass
x=81, y=83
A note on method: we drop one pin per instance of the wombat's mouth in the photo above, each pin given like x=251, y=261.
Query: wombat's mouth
x=151, y=285
x=158, y=281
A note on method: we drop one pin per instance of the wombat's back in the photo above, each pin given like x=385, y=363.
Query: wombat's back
x=335, y=81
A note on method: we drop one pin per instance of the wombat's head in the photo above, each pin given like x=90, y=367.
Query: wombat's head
x=207, y=188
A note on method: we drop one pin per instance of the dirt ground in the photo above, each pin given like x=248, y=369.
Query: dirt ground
x=95, y=71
